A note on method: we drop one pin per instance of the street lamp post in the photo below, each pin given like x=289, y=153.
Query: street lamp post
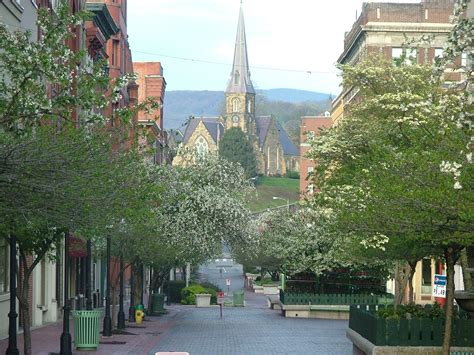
x=88, y=277
x=13, y=315
x=284, y=199
x=121, y=313
x=107, y=329
x=131, y=309
x=66, y=341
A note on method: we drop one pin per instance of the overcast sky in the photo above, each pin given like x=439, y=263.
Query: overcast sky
x=298, y=35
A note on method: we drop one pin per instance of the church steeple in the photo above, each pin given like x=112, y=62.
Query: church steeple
x=239, y=81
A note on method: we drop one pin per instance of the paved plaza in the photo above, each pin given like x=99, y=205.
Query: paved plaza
x=254, y=329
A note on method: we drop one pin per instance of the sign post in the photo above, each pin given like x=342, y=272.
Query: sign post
x=220, y=301
x=439, y=288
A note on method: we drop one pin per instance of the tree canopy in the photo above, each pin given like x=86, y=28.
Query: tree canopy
x=236, y=147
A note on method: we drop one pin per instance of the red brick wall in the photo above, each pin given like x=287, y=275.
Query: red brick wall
x=309, y=124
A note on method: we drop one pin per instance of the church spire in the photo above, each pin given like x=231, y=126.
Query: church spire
x=239, y=81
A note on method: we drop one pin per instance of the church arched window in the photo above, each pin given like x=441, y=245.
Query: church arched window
x=202, y=148
x=235, y=104
x=249, y=106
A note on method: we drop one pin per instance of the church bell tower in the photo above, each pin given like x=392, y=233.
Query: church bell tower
x=240, y=94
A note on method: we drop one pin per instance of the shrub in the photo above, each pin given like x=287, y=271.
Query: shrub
x=173, y=290
x=409, y=311
x=213, y=289
x=292, y=174
x=188, y=294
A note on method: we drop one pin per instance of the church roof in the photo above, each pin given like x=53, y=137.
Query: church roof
x=212, y=124
x=239, y=81
x=263, y=125
x=286, y=143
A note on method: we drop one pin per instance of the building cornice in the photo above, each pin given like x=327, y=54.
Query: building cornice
x=103, y=19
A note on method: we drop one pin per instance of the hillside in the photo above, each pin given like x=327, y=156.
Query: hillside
x=179, y=105
x=269, y=187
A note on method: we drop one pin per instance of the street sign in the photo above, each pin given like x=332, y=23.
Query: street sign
x=439, y=288
x=220, y=297
x=227, y=282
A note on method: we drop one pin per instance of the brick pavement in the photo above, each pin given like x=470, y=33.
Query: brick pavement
x=45, y=340
x=253, y=330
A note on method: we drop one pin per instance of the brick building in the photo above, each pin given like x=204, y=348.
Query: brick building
x=310, y=127
x=152, y=84
x=384, y=28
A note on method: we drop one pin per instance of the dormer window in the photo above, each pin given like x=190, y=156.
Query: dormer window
x=236, y=77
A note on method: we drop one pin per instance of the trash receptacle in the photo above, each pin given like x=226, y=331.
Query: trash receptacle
x=86, y=329
x=239, y=298
x=157, y=304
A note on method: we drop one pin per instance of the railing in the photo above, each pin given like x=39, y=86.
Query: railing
x=406, y=332
x=333, y=299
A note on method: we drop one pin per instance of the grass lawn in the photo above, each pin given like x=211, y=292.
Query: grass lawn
x=268, y=187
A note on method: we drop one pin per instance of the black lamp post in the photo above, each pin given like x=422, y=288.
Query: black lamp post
x=107, y=329
x=142, y=279
x=13, y=315
x=66, y=342
x=131, y=309
x=121, y=313
x=88, y=277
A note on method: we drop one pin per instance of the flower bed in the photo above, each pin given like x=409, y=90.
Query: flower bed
x=404, y=329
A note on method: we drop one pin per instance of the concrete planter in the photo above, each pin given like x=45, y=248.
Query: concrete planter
x=258, y=289
x=465, y=300
x=271, y=289
x=203, y=300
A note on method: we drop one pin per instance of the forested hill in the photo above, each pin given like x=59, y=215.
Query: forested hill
x=287, y=105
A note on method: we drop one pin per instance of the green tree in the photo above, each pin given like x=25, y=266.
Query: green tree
x=236, y=147
x=398, y=169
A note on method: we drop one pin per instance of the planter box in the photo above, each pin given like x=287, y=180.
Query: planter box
x=271, y=289
x=333, y=299
x=203, y=300
x=371, y=334
x=258, y=289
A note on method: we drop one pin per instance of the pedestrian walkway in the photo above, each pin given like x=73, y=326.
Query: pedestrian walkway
x=139, y=340
x=253, y=330
x=250, y=330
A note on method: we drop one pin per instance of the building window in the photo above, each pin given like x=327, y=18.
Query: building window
x=438, y=53
x=463, y=59
x=4, y=262
x=202, y=148
x=408, y=54
x=249, y=106
x=426, y=276
x=115, y=52
x=235, y=104
x=310, y=170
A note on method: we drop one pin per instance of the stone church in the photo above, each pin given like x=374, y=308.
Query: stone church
x=275, y=152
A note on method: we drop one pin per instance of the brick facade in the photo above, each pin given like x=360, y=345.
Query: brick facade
x=310, y=125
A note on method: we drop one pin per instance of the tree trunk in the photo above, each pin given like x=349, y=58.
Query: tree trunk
x=401, y=279
x=466, y=275
x=22, y=295
x=411, y=294
x=451, y=258
x=114, y=304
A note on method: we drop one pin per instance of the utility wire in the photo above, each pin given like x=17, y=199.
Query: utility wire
x=227, y=64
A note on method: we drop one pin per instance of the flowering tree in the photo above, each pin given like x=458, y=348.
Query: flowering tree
x=398, y=169
x=59, y=170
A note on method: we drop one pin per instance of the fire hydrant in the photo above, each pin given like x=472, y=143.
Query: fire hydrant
x=139, y=314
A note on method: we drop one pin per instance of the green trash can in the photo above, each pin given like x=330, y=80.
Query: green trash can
x=239, y=298
x=157, y=304
x=86, y=329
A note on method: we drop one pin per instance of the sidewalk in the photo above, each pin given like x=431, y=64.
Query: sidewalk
x=140, y=340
